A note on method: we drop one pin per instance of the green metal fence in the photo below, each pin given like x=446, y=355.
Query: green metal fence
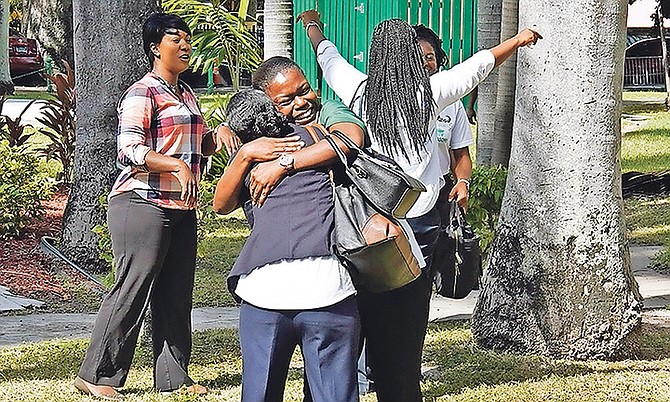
x=349, y=24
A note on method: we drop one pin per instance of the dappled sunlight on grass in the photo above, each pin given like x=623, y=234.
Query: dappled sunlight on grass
x=460, y=371
x=218, y=248
x=646, y=150
x=648, y=219
x=463, y=372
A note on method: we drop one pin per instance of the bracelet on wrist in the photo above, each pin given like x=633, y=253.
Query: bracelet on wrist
x=466, y=181
x=313, y=24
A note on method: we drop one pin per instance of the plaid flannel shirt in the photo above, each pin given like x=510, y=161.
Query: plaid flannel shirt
x=152, y=117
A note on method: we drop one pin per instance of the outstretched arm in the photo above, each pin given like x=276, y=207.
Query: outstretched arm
x=451, y=85
x=342, y=77
x=507, y=48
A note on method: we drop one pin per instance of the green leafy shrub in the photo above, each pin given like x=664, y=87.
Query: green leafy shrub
x=213, y=110
x=58, y=118
x=220, y=34
x=487, y=187
x=22, y=188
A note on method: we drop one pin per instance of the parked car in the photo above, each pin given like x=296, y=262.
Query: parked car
x=24, y=58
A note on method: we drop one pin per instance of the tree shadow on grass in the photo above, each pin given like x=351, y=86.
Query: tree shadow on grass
x=642, y=106
x=456, y=363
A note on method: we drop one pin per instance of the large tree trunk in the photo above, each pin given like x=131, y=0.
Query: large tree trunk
x=50, y=22
x=6, y=85
x=559, y=280
x=488, y=35
x=103, y=73
x=664, y=53
x=278, y=28
x=504, y=113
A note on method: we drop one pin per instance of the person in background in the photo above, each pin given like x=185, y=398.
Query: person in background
x=162, y=142
x=454, y=135
x=399, y=103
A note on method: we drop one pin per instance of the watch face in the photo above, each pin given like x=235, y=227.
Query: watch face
x=286, y=161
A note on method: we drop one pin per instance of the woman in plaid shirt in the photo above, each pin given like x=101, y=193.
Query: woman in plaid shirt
x=162, y=142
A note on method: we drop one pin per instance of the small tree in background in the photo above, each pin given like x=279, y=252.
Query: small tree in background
x=220, y=33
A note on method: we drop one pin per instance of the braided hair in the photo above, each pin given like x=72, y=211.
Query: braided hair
x=428, y=35
x=398, y=89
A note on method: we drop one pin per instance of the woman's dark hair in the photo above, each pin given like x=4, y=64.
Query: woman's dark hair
x=270, y=68
x=426, y=34
x=251, y=114
x=155, y=27
x=398, y=92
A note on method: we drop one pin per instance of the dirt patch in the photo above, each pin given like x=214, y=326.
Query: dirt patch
x=27, y=271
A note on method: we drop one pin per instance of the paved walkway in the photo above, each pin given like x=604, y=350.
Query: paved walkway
x=655, y=290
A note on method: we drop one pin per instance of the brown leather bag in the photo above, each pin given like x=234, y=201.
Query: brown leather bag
x=375, y=245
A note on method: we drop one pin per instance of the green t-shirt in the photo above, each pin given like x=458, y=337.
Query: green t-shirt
x=333, y=112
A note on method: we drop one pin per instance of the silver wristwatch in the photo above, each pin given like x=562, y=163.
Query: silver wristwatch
x=286, y=161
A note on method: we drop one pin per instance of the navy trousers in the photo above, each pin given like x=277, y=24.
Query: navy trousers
x=328, y=338
x=394, y=324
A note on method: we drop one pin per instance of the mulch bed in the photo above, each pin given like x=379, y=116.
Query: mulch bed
x=24, y=268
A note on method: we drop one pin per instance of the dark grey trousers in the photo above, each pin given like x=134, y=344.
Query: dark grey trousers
x=154, y=256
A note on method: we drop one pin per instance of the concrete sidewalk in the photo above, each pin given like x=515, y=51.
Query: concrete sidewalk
x=655, y=289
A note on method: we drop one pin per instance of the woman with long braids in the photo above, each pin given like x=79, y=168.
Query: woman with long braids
x=399, y=103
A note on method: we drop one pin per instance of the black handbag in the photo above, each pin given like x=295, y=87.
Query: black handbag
x=392, y=191
x=457, y=260
x=373, y=244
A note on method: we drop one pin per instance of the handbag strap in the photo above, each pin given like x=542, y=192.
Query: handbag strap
x=312, y=131
x=338, y=151
x=346, y=140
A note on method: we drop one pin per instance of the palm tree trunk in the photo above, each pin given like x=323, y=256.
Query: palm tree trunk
x=559, y=280
x=278, y=28
x=489, y=13
x=50, y=22
x=504, y=113
x=103, y=73
x=6, y=85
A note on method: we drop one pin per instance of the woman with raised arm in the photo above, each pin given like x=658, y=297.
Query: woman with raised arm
x=399, y=103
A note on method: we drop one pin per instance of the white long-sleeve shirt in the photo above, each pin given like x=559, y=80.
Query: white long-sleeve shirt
x=447, y=86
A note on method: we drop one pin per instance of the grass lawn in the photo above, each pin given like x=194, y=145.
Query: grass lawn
x=221, y=240
x=646, y=148
x=457, y=371
x=646, y=140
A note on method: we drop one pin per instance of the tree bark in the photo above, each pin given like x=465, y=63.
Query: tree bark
x=504, y=111
x=488, y=35
x=108, y=59
x=664, y=53
x=50, y=22
x=278, y=28
x=559, y=280
x=6, y=85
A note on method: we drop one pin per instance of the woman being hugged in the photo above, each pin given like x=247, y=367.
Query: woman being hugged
x=294, y=290
x=162, y=141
